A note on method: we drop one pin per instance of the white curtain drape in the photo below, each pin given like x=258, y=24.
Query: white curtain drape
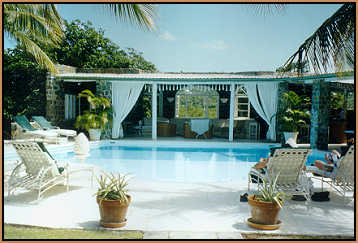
x=70, y=106
x=263, y=97
x=124, y=97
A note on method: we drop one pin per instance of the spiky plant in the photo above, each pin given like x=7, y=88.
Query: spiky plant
x=112, y=187
x=268, y=191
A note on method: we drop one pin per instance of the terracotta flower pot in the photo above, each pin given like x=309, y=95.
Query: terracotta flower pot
x=113, y=212
x=263, y=212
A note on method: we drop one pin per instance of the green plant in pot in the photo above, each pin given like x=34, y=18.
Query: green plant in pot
x=294, y=114
x=98, y=117
x=266, y=204
x=113, y=199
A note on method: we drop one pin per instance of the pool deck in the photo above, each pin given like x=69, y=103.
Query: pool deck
x=178, y=210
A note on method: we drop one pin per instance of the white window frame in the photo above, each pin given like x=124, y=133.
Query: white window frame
x=241, y=93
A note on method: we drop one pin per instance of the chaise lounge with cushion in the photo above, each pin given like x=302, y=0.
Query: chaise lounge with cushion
x=24, y=130
x=46, y=125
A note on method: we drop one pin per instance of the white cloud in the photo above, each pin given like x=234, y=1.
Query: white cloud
x=166, y=36
x=216, y=45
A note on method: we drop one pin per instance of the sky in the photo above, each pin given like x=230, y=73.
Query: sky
x=209, y=37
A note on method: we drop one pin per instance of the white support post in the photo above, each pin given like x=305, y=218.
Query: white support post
x=231, y=119
x=154, y=110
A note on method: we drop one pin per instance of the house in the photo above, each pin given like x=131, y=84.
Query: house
x=233, y=92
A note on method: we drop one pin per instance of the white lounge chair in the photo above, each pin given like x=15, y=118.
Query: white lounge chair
x=38, y=170
x=341, y=178
x=26, y=130
x=44, y=124
x=288, y=165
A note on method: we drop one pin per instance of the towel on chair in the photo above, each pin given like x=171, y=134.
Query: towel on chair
x=199, y=126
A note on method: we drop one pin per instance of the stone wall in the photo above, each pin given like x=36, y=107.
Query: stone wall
x=55, y=107
x=319, y=115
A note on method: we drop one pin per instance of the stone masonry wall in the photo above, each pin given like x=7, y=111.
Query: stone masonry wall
x=55, y=107
x=319, y=115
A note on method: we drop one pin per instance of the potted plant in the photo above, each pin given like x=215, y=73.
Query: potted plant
x=97, y=118
x=113, y=200
x=293, y=115
x=266, y=204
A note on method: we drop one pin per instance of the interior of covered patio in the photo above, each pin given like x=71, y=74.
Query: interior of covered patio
x=205, y=105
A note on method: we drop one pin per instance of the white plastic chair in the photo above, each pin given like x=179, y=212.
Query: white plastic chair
x=340, y=179
x=38, y=170
x=288, y=165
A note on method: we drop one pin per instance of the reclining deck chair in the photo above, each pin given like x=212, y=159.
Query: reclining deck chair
x=44, y=124
x=288, y=165
x=341, y=178
x=30, y=131
x=38, y=170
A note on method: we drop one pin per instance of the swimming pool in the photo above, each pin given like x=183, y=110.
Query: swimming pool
x=177, y=162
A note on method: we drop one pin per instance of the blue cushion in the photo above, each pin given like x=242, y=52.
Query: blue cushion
x=42, y=122
x=24, y=123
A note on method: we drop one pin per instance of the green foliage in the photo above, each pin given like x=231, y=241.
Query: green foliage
x=268, y=191
x=23, y=87
x=86, y=47
x=194, y=102
x=98, y=116
x=112, y=187
x=294, y=112
x=336, y=100
x=32, y=26
x=143, y=14
x=332, y=45
x=147, y=105
x=295, y=67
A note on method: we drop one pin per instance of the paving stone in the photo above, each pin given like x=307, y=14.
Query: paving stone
x=192, y=235
x=229, y=235
x=155, y=235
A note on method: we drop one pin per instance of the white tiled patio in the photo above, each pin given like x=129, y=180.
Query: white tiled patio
x=186, y=207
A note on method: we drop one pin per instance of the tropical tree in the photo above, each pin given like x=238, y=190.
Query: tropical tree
x=85, y=47
x=141, y=14
x=332, y=45
x=295, y=67
x=33, y=25
x=24, y=88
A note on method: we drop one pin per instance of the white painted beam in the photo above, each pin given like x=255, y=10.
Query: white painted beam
x=231, y=119
x=154, y=111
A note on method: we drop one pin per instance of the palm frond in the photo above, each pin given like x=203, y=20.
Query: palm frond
x=142, y=14
x=31, y=47
x=34, y=25
x=331, y=45
x=268, y=8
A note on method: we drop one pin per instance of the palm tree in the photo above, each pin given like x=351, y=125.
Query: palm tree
x=331, y=45
x=142, y=14
x=32, y=25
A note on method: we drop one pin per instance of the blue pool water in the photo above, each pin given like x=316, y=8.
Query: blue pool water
x=178, y=164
